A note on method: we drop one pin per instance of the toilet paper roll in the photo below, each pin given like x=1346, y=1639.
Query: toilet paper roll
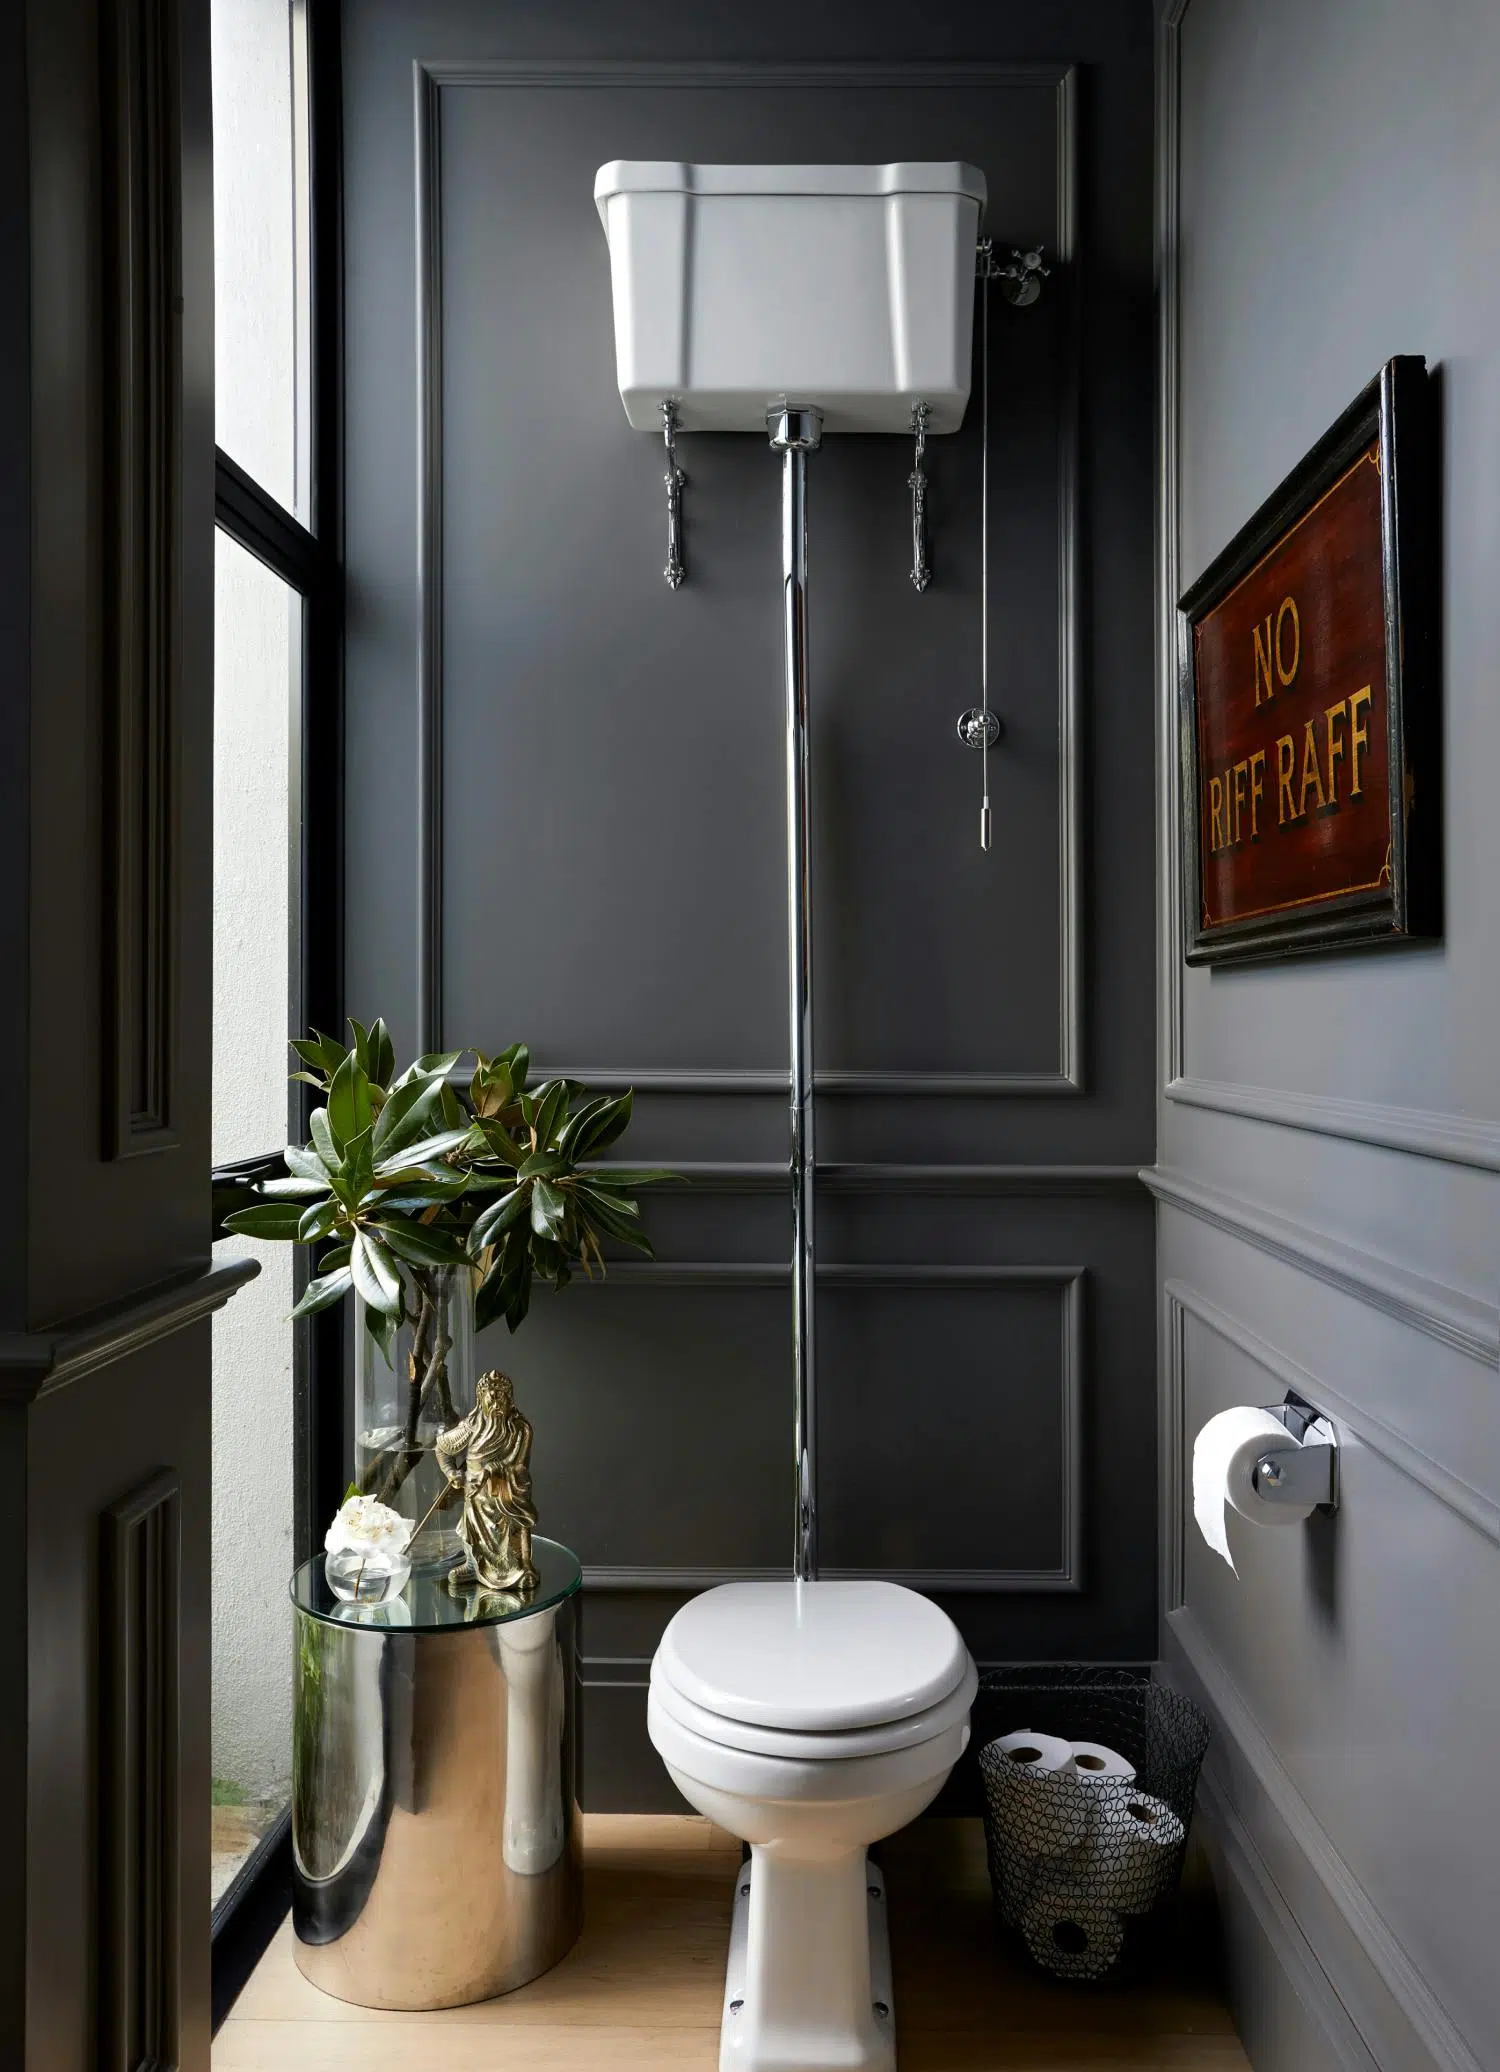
x=1224, y=1457
x=1093, y=1760
x=1133, y=1858
x=1040, y=1805
x=1070, y=1931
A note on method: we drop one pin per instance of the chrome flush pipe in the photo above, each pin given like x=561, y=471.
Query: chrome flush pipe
x=794, y=434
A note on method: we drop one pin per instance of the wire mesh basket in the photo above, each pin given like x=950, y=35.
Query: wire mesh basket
x=1089, y=1776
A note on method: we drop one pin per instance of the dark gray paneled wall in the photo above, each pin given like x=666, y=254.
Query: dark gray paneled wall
x=1330, y=1129
x=592, y=855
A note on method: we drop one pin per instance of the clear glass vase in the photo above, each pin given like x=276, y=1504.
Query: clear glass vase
x=404, y=1401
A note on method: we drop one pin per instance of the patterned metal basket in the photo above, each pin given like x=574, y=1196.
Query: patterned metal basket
x=1084, y=1864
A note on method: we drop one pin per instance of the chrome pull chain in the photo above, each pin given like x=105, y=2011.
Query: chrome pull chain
x=674, y=479
x=916, y=482
x=979, y=727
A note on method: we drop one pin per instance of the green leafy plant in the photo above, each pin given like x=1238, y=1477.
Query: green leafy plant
x=407, y=1177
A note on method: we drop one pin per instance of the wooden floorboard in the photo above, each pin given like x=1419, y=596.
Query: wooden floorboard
x=642, y=1987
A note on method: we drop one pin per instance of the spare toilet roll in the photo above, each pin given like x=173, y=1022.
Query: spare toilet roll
x=1069, y=1930
x=1093, y=1760
x=1133, y=1858
x=1224, y=1457
x=1041, y=1807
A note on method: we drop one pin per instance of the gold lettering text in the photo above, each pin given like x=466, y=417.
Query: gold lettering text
x=1359, y=738
x=1311, y=774
x=1257, y=790
x=1288, y=610
x=1215, y=815
x=1335, y=747
x=1263, y=661
x=1286, y=759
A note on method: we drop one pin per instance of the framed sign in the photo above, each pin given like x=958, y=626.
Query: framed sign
x=1310, y=699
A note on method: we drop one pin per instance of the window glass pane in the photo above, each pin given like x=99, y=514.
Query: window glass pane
x=257, y=663
x=260, y=241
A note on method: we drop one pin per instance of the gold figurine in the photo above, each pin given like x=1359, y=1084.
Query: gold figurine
x=487, y=1459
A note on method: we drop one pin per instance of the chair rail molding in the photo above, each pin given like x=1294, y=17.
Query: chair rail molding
x=1446, y=1314
x=431, y=78
x=1426, y=1133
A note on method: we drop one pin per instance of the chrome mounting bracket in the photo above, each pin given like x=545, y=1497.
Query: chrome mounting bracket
x=1306, y=1471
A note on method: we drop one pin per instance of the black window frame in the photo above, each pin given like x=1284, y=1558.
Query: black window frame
x=309, y=559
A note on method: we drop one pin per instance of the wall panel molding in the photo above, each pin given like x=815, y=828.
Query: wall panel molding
x=1180, y=1301
x=1387, y=1958
x=1168, y=542
x=142, y=563
x=769, y=1176
x=1426, y=1133
x=32, y=1363
x=139, y=1734
x=1454, y=1319
x=1069, y=1282
x=431, y=78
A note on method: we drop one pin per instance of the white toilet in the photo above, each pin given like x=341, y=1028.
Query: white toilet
x=811, y=1719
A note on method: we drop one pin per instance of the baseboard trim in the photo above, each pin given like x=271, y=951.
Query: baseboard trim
x=1246, y=1868
x=1431, y=2036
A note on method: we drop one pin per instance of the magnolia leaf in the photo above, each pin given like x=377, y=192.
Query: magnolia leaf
x=317, y=1221
x=579, y=1121
x=612, y=1121
x=335, y=1256
x=423, y=1244
x=350, y=1111
x=361, y=1045
x=375, y=1274
x=305, y=1164
x=324, y=1292
x=293, y=1190
x=428, y=1149
x=551, y=1107
x=408, y=1111
x=382, y=1052
x=325, y=1144
x=498, y=1217
x=266, y=1219
x=549, y=1209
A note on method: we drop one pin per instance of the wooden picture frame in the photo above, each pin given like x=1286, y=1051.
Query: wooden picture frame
x=1309, y=699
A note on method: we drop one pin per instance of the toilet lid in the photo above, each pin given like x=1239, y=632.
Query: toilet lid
x=821, y=1656
x=804, y=1745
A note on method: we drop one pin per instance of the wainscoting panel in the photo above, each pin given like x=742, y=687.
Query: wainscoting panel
x=581, y=842
x=141, y=1552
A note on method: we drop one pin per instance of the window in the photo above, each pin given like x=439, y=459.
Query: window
x=276, y=965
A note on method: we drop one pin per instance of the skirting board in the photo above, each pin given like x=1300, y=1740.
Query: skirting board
x=1338, y=1954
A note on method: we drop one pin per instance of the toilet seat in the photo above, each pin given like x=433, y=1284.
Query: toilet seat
x=809, y=1746
x=829, y=1657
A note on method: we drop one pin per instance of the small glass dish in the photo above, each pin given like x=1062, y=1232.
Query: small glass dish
x=372, y=1576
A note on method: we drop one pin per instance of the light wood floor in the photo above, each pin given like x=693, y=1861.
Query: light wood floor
x=642, y=1988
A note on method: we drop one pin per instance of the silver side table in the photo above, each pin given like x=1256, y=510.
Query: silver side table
x=436, y=1855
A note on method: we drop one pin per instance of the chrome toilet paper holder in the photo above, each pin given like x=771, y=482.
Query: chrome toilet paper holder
x=1307, y=1470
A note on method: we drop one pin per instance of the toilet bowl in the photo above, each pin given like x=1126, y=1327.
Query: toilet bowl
x=810, y=1719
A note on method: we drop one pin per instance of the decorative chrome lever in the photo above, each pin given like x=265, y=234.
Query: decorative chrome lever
x=916, y=482
x=674, y=479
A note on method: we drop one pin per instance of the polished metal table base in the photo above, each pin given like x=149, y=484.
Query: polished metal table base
x=435, y=1825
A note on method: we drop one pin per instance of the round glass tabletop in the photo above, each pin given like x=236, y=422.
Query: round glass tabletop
x=429, y=1604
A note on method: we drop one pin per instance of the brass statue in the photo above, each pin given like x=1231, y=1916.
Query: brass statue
x=487, y=1460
